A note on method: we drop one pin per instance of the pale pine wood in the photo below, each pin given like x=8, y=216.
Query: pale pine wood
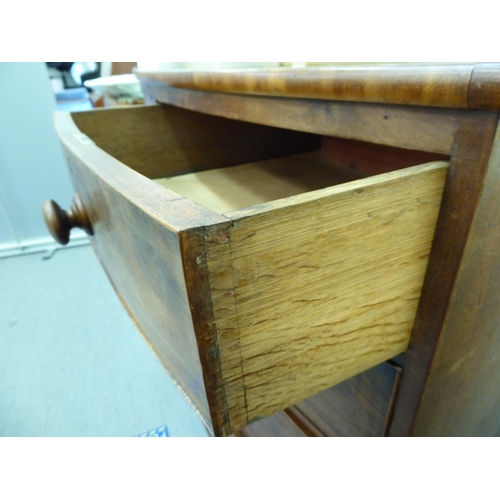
x=324, y=286
x=227, y=189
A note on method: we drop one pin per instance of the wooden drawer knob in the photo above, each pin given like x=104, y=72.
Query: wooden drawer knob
x=60, y=222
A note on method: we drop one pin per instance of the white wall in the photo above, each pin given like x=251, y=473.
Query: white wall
x=32, y=165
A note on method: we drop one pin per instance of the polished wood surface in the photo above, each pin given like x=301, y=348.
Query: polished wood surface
x=60, y=222
x=286, y=314
x=484, y=86
x=410, y=127
x=465, y=86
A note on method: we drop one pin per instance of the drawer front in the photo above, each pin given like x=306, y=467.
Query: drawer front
x=256, y=309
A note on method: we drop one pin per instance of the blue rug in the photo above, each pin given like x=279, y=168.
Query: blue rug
x=158, y=432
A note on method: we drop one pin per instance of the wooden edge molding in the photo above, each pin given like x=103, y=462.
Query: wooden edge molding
x=460, y=85
x=484, y=88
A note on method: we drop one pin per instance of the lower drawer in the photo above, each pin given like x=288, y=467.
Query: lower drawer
x=260, y=271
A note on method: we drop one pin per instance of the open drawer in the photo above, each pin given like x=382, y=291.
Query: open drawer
x=258, y=269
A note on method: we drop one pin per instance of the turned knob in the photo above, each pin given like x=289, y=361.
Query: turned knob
x=60, y=222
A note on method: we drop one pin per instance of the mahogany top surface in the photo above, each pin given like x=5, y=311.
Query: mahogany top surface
x=448, y=85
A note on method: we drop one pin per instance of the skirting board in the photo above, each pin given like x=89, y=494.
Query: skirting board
x=46, y=244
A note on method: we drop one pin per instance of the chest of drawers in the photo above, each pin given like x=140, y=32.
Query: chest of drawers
x=281, y=238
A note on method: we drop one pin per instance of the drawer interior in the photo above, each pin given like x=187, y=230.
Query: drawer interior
x=227, y=165
x=241, y=186
x=307, y=279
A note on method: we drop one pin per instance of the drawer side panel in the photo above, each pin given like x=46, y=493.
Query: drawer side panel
x=326, y=285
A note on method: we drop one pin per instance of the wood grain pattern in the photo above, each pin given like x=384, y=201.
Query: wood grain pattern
x=159, y=141
x=231, y=188
x=464, y=184
x=425, y=129
x=444, y=85
x=287, y=317
x=468, y=86
x=131, y=207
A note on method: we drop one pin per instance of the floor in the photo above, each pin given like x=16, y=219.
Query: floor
x=71, y=361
